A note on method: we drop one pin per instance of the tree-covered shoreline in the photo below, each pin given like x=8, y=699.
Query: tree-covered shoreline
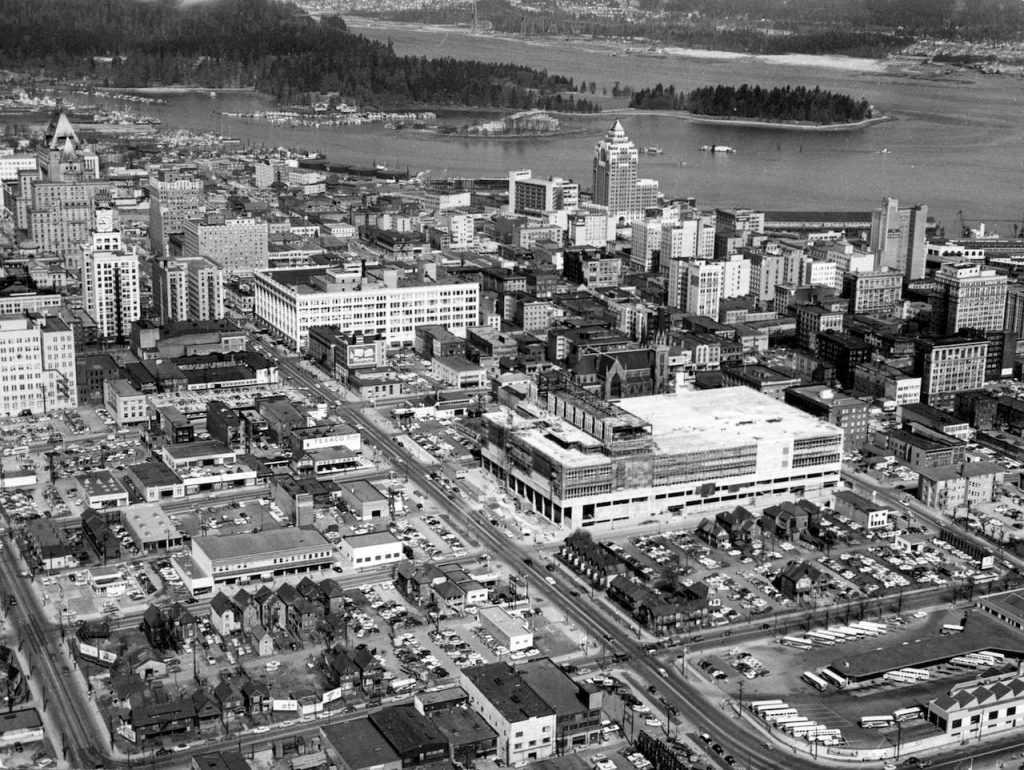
x=270, y=45
x=785, y=104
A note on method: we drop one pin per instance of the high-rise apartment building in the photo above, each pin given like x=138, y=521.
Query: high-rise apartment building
x=240, y=245
x=1014, y=319
x=110, y=279
x=966, y=295
x=898, y=237
x=615, y=174
x=175, y=197
x=37, y=364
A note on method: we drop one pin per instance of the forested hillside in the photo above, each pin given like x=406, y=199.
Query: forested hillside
x=273, y=46
x=802, y=104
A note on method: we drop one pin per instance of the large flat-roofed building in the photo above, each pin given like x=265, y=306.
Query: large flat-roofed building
x=589, y=463
x=20, y=727
x=290, y=301
x=234, y=558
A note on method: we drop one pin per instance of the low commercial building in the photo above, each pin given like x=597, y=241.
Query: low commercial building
x=154, y=481
x=330, y=436
x=950, y=487
x=934, y=419
x=458, y=373
x=264, y=555
x=577, y=706
x=508, y=631
x=100, y=489
x=47, y=548
x=364, y=501
x=22, y=727
x=372, y=550
x=358, y=745
x=126, y=405
x=525, y=723
x=923, y=449
x=866, y=513
x=206, y=466
x=152, y=529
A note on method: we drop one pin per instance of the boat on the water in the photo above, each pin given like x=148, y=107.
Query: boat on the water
x=724, y=148
x=653, y=150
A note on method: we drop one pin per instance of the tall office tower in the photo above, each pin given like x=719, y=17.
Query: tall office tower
x=898, y=237
x=175, y=197
x=692, y=237
x=1014, y=320
x=37, y=364
x=170, y=289
x=967, y=295
x=238, y=244
x=646, y=244
x=63, y=157
x=55, y=204
x=188, y=289
x=695, y=286
x=110, y=280
x=735, y=276
x=648, y=192
x=205, y=290
x=615, y=174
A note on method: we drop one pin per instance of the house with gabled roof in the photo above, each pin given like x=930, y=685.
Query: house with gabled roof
x=248, y=609
x=224, y=615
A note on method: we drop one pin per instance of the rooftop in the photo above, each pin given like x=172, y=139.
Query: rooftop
x=360, y=745
x=553, y=686
x=722, y=418
x=100, y=483
x=267, y=542
x=980, y=633
x=962, y=470
x=507, y=691
x=371, y=539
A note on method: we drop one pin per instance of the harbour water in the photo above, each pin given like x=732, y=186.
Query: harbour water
x=955, y=143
